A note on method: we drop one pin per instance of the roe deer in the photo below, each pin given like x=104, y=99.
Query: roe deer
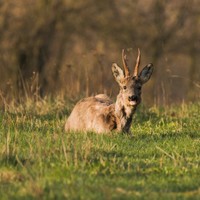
x=99, y=114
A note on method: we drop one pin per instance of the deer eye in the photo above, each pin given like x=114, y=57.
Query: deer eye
x=124, y=87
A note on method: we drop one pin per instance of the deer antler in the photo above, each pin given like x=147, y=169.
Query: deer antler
x=124, y=60
x=136, y=69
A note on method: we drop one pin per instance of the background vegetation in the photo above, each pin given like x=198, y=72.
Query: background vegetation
x=50, y=47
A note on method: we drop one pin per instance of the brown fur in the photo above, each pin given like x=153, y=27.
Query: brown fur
x=92, y=114
x=99, y=114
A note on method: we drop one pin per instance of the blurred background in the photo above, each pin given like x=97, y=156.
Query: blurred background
x=53, y=47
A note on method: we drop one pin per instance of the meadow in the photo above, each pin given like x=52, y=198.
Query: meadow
x=38, y=160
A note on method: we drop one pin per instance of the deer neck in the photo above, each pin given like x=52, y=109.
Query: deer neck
x=124, y=114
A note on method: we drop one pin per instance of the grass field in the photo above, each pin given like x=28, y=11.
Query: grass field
x=38, y=160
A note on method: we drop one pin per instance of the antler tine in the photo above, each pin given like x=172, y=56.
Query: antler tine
x=124, y=60
x=136, y=69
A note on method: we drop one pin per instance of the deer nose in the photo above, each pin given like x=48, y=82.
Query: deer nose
x=132, y=98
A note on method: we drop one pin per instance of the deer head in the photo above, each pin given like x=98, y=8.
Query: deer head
x=131, y=84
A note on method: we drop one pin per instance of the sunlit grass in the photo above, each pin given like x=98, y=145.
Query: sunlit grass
x=38, y=160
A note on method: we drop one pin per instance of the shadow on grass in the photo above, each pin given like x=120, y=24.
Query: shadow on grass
x=57, y=114
x=13, y=160
x=28, y=121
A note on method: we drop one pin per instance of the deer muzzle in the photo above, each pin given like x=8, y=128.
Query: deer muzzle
x=133, y=100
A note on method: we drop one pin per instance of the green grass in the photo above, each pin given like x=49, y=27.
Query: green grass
x=38, y=160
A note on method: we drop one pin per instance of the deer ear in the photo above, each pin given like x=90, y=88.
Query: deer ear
x=117, y=72
x=146, y=73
